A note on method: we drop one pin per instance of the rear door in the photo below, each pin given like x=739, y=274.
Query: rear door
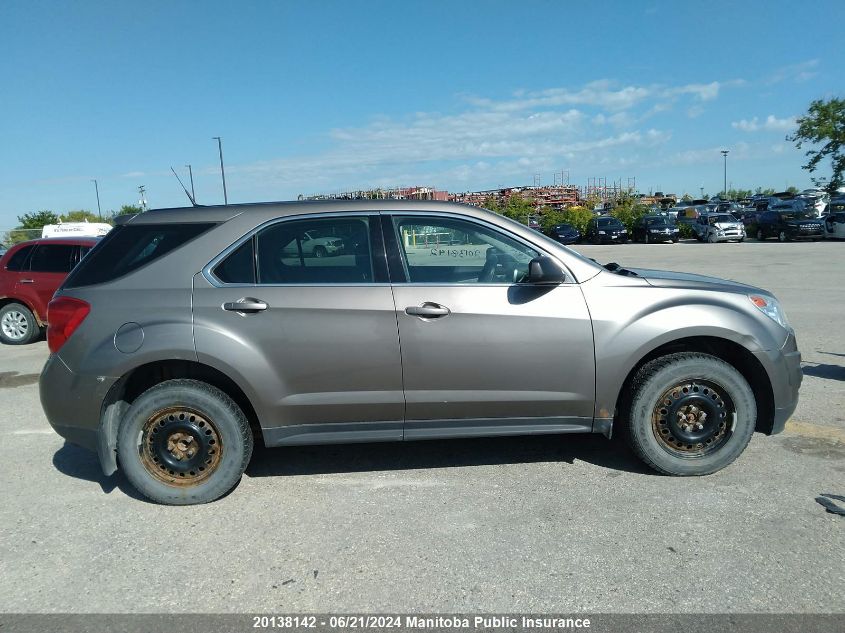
x=310, y=334
x=48, y=266
x=483, y=353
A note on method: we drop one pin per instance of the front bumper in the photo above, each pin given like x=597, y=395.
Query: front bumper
x=73, y=402
x=784, y=369
x=612, y=239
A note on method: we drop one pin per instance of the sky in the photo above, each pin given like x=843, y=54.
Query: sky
x=323, y=96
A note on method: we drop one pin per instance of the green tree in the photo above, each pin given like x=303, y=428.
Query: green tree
x=519, y=208
x=126, y=209
x=578, y=217
x=29, y=227
x=491, y=203
x=37, y=219
x=80, y=215
x=824, y=127
x=628, y=210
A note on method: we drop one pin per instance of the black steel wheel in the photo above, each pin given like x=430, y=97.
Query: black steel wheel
x=693, y=418
x=689, y=414
x=180, y=447
x=184, y=442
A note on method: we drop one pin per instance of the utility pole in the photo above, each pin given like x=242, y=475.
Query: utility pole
x=191, y=174
x=222, y=172
x=97, y=189
x=725, y=156
x=143, y=201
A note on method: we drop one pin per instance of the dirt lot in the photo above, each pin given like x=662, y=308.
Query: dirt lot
x=536, y=524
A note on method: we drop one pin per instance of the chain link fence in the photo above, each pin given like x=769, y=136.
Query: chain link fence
x=8, y=237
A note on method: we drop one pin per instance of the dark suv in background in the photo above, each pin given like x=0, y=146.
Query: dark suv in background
x=606, y=230
x=655, y=228
x=789, y=221
x=30, y=272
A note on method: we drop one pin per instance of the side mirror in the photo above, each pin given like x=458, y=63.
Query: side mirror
x=544, y=270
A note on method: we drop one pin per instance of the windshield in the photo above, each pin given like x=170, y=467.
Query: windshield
x=658, y=222
x=605, y=222
x=793, y=215
x=722, y=217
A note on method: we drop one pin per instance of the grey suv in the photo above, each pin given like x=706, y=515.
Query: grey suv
x=188, y=334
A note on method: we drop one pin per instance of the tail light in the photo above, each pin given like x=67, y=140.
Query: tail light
x=64, y=315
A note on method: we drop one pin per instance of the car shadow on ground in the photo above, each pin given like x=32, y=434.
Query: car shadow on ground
x=428, y=454
x=74, y=461
x=822, y=370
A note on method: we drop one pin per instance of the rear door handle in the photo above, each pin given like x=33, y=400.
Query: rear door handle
x=428, y=310
x=27, y=281
x=246, y=305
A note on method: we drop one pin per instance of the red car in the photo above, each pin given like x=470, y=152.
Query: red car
x=30, y=273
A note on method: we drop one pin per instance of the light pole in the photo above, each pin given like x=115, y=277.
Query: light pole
x=725, y=156
x=191, y=174
x=222, y=172
x=97, y=189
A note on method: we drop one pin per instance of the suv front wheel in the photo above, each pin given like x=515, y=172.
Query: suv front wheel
x=690, y=414
x=184, y=442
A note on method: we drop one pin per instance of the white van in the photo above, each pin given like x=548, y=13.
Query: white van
x=76, y=229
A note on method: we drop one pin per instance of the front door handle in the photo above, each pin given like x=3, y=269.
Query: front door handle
x=247, y=305
x=27, y=281
x=428, y=310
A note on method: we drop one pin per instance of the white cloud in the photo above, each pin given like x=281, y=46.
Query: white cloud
x=770, y=124
x=493, y=141
x=800, y=72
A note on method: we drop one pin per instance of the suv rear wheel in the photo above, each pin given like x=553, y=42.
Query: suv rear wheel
x=184, y=442
x=18, y=325
x=691, y=414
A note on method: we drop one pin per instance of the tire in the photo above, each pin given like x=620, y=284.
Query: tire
x=741, y=240
x=783, y=237
x=18, y=325
x=713, y=385
x=674, y=240
x=219, y=432
x=760, y=236
x=645, y=239
x=711, y=239
x=320, y=251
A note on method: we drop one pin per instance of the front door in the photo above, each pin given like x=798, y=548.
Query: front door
x=302, y=317
x=483, y=352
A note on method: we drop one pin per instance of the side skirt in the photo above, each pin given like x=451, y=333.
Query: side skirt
x=357, y=432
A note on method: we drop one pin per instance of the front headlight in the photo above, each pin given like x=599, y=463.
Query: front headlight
x=623, y=231
x=771, y=308
x=601, y=233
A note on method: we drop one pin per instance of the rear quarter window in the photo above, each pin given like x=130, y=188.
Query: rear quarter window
x=127, y=248
x=18, y=260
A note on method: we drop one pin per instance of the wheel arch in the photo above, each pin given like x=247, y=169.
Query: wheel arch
x=4, y=301
x=137, y=380
x=729, y=351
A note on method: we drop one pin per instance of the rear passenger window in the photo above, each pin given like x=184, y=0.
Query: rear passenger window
x=318, y=251
x=17, y=261
x=52, y=258
x=129, y=247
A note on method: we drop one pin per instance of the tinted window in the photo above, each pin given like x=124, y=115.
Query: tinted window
x=318, y=251
x=239, y=267
x=17, y=261
x=52, y=258
x=127, y=248
x=442, y=250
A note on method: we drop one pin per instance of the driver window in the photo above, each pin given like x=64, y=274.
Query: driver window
x=442, y=250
